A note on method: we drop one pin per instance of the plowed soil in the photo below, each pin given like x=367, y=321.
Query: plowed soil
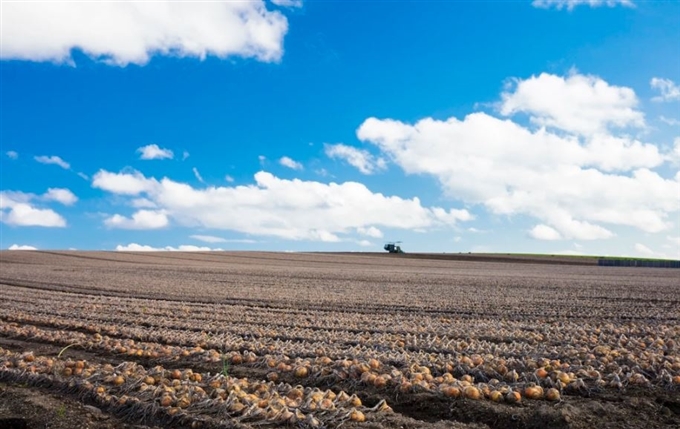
x=402, y=310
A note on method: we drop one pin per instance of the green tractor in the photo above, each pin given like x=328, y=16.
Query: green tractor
x=393, y=247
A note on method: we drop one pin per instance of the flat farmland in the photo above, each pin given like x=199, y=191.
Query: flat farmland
x=311, y=340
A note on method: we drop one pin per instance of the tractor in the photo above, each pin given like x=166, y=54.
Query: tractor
x=393, y=247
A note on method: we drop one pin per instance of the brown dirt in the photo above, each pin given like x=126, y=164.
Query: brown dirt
x=325, y=283
x=25, y=407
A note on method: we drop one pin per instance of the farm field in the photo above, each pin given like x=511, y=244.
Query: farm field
x=311, y=340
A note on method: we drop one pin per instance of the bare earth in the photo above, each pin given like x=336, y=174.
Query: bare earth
x=413, y=341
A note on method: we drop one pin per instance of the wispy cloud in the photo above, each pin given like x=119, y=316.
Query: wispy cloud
x=213, y=239
x=362, y=160
x=290, y=163
x=198, y=175
x=53, y=160
x=668, y=89
x=153, y=151
x=288, y=3
x=669, y=121
x=571, y=4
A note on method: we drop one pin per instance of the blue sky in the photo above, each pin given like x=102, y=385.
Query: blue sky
x=544, y=127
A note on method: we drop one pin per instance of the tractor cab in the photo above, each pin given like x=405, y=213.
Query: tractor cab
x=393, y=247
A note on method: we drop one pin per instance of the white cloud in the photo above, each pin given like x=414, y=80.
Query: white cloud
x=674, y=240
x=364, y=243
x=60, y=195
x=131, y=32
x=209, y=238
x=669, y=121
x=18, y=247
x=288, y=3
x=290, y=163
x=198, y=175
x=153, y=151
x=580, y=104
x=362, y=160
x=570, y=183
x=213, y=239
x=571, y=4
x=229, y=179
x=141, y=219
x=644, y=250
x=185, y=155
x=290, y=209
x=83, y=176
x=143, y=203
x=26, y=215
x=53, y=160
x=668, y=89
x=544, y=232
x=133, y=183
x=11, y=154
x=16, y=209
x=371, y=231
x=134, y=247
x=673, y=156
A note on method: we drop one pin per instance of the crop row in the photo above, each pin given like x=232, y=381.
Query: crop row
x=186, y=397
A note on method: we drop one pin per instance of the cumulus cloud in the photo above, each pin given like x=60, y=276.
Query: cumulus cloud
x=577, y=103
x=142, y=203
x=571, y=4
x=371, y=231
x=290, y=209
x=290, y=163
x=362, y=160
x=572, y=181
x=53, y=160
x=544, y=232
x=668, y=89
x=17, y=209
x=153, y=151
x=133, y=183
x=23, y=247
x=60, y=195
x=11, y=154
x=119, y=33
x=26, y=215
x=141, y=219
x=673, y=155
x=134, y=247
